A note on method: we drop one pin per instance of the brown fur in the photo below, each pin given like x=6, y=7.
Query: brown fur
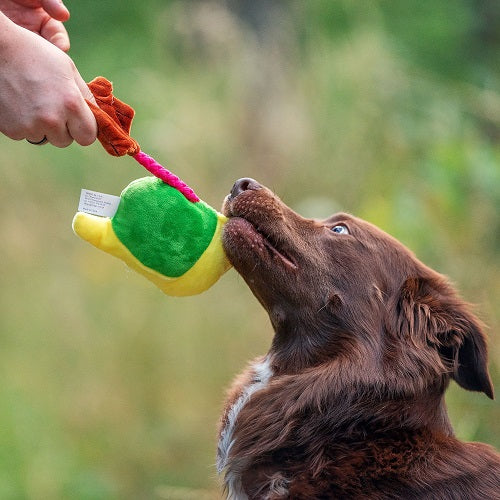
x=366, y=341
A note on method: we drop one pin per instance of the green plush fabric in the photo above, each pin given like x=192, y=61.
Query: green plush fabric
x=161, y=228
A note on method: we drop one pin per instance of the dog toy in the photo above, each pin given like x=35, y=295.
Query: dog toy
x=161, y=228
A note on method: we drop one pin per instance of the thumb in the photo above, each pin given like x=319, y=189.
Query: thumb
x=54, y=32
x=55, y=9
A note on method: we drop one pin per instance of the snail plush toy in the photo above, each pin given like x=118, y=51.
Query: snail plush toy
x=161, y=228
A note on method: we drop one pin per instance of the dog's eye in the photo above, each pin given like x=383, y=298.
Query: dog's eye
x=340, y=229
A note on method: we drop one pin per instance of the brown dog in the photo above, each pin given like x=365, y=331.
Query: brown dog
x=349, y=401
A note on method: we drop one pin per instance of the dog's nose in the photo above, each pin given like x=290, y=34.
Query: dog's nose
x=244, y=184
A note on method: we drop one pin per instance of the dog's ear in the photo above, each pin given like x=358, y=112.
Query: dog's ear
x=429, y=311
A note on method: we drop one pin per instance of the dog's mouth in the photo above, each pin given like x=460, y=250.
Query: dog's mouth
x=254, y=232
x=257, y=240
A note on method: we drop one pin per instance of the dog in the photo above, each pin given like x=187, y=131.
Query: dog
x=349, y=400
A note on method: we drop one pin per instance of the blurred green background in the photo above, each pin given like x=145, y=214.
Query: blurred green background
x=387, y=109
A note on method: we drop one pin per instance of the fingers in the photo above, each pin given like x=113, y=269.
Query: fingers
x=41, y=142
x=82, y=124
x=49, y=127
x=79, y=126
x=59, y=137
x=55, y=32
x=55, y=9
x=84, y=88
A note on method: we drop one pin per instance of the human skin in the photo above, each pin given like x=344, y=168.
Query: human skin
x=41, y=91
x=45, y=17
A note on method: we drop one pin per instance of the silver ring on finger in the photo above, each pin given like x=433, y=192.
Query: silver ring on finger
x=39, y=143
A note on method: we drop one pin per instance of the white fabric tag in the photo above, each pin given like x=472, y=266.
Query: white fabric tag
x=92, y=202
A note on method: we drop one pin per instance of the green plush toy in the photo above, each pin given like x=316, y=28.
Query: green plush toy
x=161, y=228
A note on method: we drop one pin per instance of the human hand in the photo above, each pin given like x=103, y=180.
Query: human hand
x=44, y=17
x=41, y=91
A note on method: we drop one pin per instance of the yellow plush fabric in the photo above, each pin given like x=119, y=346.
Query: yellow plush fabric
x=202, y=275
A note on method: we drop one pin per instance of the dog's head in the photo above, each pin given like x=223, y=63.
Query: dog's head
x=342, y=287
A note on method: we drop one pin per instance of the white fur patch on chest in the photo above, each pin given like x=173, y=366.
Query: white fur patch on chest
x=261, y=377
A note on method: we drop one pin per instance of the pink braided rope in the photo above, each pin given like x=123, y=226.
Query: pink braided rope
x=165, y=175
